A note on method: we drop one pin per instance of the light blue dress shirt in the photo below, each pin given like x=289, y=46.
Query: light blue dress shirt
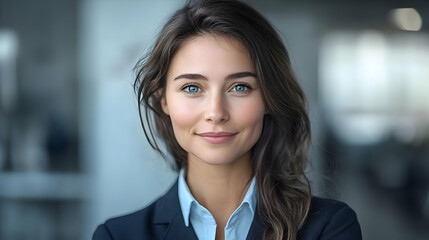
x=203, y=221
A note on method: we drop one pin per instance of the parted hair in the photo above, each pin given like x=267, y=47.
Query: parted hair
x=279, y=156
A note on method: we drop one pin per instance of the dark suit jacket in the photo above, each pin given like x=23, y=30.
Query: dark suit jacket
x=163, y=219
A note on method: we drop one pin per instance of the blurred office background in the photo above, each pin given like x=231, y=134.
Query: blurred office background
x=72, y=152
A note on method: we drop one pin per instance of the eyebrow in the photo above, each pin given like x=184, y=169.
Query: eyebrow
x=233, y=76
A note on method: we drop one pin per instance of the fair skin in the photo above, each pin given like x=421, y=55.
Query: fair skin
x=216, y=108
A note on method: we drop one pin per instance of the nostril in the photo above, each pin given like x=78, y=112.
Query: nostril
x=216, y=116
x=216, y=110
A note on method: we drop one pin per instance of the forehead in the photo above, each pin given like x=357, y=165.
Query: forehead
x=208, y=39
x=205, y=53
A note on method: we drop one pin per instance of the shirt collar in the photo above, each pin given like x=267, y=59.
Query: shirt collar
x=186, y=199
x=251, y=196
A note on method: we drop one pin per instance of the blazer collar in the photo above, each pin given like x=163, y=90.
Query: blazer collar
x=257, y=228
x=167, y=207
x=169, y=214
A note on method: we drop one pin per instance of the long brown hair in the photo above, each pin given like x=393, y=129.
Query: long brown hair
x=279, y=156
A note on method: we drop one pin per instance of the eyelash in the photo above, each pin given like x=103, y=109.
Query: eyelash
x=248, y=87
x=184, y=87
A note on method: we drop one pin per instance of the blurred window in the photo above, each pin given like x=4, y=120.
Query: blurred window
x=374, y=84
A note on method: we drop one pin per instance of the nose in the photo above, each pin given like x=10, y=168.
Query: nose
x=216, y=109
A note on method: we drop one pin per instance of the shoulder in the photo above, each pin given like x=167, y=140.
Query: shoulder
x=128, y=226
x=146, y=223
x=323, y=207
x=330, y=219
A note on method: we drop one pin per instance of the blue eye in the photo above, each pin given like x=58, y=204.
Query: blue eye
x=192, y=89
x=240, y=88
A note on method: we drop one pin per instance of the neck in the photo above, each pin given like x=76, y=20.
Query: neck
x=219, y=188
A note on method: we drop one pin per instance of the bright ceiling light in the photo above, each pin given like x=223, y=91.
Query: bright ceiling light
x=407, y=19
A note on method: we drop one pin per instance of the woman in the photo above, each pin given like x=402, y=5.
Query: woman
x=219, y=90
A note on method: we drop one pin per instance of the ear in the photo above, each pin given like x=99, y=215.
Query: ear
x=164, y=105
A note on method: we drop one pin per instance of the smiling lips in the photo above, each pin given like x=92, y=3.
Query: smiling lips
x=217, y=137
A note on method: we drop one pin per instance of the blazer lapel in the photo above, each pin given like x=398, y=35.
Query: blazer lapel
x=257, y=228
x=178, y=230
x=168, y=218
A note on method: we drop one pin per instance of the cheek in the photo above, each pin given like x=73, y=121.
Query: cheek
x=251, y=115
x=253, y=110
x=182, y=123
x=182, y=116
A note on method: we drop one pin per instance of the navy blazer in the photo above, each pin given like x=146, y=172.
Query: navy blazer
x=163, y=219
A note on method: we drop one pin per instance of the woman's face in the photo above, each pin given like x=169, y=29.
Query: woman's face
x=214, y=100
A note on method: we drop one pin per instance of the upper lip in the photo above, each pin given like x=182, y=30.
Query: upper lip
x=216, y=134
